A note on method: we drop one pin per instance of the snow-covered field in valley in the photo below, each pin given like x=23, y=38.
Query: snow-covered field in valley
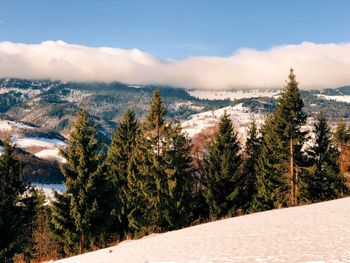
x=232, y=94
x=51, y=154
x=342, y=98
x=312, y=233
x=240, y=116
x=44, y=148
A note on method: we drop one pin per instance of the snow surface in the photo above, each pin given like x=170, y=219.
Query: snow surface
x=51, y=146
x=240, y=116
x=341, y=98
x=312, y=233
x=232, y=95
x=6, y=125
x=51, y=154
x=38, y=142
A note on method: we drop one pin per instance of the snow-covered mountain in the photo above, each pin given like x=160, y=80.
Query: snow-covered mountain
x=42, y=143
x=241, y=117
x=310, y=233
x=233, y=94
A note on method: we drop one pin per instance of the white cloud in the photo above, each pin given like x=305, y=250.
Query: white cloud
x=316, y=65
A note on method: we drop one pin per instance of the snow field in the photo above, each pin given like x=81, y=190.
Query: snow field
x=232, y=95
x=240, y=116
x=342, y=98
x=311, y=233
x=6, y=125
x=37, y=141
x=53, y=154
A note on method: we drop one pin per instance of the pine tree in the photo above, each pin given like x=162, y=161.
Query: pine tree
x=222, y=172
x=281, y=157
x=246, y=189
x=118, y=160
x=88, y=191
x=324, y=181
x=179, y=171
x=159, y=175
x=156, y=118
x=62, y=225
x=17, y=206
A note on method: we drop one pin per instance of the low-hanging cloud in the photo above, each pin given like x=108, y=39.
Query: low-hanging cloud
x=316, y=65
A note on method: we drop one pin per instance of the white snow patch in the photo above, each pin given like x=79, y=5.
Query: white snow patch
x=240, y=116
x=6, y=125
x=231, y=94
x=342, y=98
x=310, y=233
x=51, y=154
x=37, y=141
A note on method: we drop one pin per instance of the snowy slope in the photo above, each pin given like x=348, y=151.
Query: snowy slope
x=232, y=94
x=42, y=147
x=313, y=233
x=341, y=98
x=51, y=154
x=8, y=125
x=240, y=116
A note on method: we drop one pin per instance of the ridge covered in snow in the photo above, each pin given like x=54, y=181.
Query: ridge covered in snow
x=241, y=118
x=37, y=144
x=233, y=94
x=310, y=233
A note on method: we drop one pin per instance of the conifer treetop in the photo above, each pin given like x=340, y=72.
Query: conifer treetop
x=157, y=112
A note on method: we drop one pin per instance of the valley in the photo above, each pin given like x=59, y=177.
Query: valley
x=37, y=114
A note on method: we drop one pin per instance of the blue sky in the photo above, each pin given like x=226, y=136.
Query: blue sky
x=177, y=29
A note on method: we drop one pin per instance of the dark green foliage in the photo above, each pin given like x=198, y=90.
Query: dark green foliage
x=88, y=191
x=272, y=165
x=281, y=157
x=17, y=206
x=118, y=159
x=246, y=189
x=179, y=171
x=62, y=225
x=324, y=181
x=160, y=175
x=223, y=170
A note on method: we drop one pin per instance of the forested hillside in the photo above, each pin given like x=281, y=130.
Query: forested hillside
x=151, y=178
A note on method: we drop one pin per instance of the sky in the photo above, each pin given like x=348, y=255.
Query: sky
x=206, y=41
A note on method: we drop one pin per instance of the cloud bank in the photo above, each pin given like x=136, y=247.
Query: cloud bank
x=316, y=66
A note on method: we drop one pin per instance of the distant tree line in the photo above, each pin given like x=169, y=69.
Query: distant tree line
x=151, y=179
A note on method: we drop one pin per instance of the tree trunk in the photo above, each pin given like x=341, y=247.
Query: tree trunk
x=81, y=243
x=292, y=199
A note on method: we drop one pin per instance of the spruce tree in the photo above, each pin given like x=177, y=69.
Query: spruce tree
x=118, y=160
x=281, y=157
x=159, y=175
x=179, y=172
x=324, y=181
x=222, y=172
x=156, y=119
x=246, y=189
x=88, y=191
x=17, y=206
x=62, y=225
